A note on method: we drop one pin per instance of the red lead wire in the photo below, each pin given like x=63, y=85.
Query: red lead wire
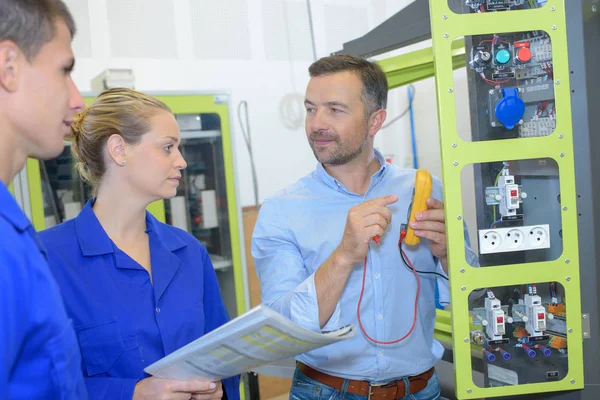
x=402, y=235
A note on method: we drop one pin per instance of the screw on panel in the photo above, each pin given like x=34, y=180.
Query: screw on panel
x=454, y=145
x=564, y=208
x=462, y=270
x=459, y=217
x=552, y=8
x=469, y=390
x=570, y=330
x=455, y=163
x=557, y=82
x=567, y=261
x=585, y=316
x=466, y=340
x=553, y=27
x=493, y=124
x=445, y=16
x=585, y=334
x=568, y=278
x=450, y=90
x=463, y=288
x=560, y=136
x=572, y=381
x=562, y=154
x=446, y=35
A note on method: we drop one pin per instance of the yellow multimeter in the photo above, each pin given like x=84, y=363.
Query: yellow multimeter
x=421, y=192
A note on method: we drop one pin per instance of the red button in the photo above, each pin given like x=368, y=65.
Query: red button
x=541, y=315
x=513, y=193
x=499, y=320
x=524, y=55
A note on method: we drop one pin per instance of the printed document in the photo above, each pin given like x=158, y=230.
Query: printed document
x=259, y=337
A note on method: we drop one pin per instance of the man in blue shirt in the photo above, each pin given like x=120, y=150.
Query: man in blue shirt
x=39, y=355
x=317, y=261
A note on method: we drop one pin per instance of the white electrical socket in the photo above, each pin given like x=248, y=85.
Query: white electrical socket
x=490, y=241
x=518, y=238
x=514, y=239
x=537, y=237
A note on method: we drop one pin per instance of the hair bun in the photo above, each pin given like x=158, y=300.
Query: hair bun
x=77, y=126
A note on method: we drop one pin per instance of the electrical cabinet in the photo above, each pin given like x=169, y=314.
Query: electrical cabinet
x=517, y=317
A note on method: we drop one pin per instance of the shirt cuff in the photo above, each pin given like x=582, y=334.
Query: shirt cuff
x=304, y=308
x=443, y=287
x=129, y=388
x=472, y=257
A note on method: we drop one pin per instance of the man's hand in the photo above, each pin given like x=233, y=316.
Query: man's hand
x=171, y=389
x=430, y=225
x=364, y=222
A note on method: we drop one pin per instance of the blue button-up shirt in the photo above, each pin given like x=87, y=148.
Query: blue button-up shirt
x=39, y=356
x=298, y=229
x=124, y=321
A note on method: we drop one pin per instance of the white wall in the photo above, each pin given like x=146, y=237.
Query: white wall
x=259, y=51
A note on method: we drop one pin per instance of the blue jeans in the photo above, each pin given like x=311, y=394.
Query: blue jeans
x=304, y=388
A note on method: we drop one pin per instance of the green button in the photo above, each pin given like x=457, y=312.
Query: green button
x=502, y=56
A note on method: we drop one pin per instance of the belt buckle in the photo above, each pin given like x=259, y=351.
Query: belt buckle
x=372, y=385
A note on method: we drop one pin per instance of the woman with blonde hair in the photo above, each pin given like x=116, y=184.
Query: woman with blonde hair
x=136, y=289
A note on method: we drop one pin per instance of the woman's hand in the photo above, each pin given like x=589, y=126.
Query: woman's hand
x=171, y=389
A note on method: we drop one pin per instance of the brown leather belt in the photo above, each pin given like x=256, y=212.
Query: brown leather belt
x=390, y=391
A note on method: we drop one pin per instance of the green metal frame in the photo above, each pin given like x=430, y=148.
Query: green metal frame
x=443, y=327
x=179, y=104
x=194, y=104
x=456, y=154
x=36, y=200
x=417, y=65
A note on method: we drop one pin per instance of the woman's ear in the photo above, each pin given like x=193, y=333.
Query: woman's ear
x=117, y=151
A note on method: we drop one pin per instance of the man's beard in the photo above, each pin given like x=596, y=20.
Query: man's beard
x=341, y=154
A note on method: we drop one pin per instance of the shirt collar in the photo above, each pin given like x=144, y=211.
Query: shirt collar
x=11, y=211
x=94, y=241
x=335, y=184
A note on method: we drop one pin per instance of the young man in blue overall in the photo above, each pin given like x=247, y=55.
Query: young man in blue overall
x=39, y=354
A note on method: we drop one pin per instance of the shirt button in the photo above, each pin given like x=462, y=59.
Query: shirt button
x=380, y=355
x=377, y=276
x=157, y=309
x=380, y=316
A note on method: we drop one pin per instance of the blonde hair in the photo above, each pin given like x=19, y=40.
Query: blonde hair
x=118, y=111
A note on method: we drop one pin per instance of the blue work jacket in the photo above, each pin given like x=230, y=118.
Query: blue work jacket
x=123, y=320
x=39, y=355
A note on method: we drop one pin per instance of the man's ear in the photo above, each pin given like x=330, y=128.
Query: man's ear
x=376, y=121
x=9, y=66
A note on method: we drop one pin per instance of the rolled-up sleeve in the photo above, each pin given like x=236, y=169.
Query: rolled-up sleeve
x=287, y=286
